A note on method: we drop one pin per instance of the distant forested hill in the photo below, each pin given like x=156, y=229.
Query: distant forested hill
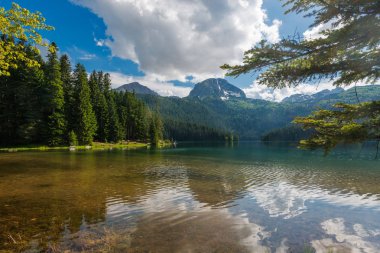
x=250, y=119
x=137, y=88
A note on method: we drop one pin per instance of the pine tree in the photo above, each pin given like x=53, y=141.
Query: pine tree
x=346, y=52
x=21, y=118
x=131, y=104
x=100, y=106
x=19, y=24
x=56, y=123
x=114, y=134
x=141, y=122
x=68, y=92
x=155, y=129
x=85, y=116
x=105, y=82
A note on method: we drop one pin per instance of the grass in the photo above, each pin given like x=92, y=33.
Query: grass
x=94, y=146
x=123, y=144
x=165, y=143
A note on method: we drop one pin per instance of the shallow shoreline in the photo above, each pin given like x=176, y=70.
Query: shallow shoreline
x=94, y=146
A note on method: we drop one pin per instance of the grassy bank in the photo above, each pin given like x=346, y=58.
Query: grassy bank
x=94, y=146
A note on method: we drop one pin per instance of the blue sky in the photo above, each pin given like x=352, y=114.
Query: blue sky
x=164, y=44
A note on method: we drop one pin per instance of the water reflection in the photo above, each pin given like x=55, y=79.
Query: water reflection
x=198, y=199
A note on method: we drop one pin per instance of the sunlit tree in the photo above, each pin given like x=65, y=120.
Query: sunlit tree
x=19, y=28
x=346, y=51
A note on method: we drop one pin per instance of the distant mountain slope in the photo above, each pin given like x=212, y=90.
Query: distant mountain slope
x=322, y=95
x=216, y=88
x=329, y=97
x=248, y=118
x=136, y=88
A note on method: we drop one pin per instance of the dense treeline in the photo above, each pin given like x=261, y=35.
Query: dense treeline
x=193, y=132
x=250, y=119
x=211, y=118
x=186, y=119
x=292, y=133
x=52, y=104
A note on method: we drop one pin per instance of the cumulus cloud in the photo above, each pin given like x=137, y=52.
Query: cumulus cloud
x=80, y=54
x=163, y=88
x=258, y=91
x=283, y=199
x=172, y=39
x=316, y=32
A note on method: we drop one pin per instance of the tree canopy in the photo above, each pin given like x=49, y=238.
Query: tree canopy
x=346, y=51
x=19, y=26
x=50, y=104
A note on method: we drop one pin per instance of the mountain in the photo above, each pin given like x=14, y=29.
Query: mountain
x=322, y=95
x=251, y=119
x=216, y=88
x=326, y=98
x=137, y=88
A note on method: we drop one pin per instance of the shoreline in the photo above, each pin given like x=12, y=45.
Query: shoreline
x=94, y=146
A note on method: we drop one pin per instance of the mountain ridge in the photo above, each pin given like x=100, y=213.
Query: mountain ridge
x=136, y=87
x=217, y=104
x=216, y=88
x=248, y=118
x=295, y=98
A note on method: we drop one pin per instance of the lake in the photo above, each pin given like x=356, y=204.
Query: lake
x=246, y=197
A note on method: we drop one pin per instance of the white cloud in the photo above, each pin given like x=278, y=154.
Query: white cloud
x=172, y=39
x=161, y=87
x=348, y=239
x=80, y=54
x=99, y=42
x=255, y=90
x=258, y=91
x=87, y=57
x=283, y=199
x=316, y=32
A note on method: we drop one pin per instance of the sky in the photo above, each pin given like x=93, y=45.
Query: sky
x=169, y=45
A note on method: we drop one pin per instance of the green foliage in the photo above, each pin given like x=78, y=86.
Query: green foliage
x=55, y=111
x=18, y=26
x=22, y=101
x=134, y=115
x=213, y=119
x=346, y=124
x=286, y=134
x=114, y=132
x=100, y=106
x=347, y=52
x=73, y=140
x=188, y=131
x=85, y=117
x=249, y=119
x=155, y=129
x=68, y=92
x=49, y=105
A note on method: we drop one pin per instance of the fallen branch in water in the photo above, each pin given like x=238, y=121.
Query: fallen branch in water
x=14, y=241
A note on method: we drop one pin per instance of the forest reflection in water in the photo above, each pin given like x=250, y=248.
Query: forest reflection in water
x=246, y=198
